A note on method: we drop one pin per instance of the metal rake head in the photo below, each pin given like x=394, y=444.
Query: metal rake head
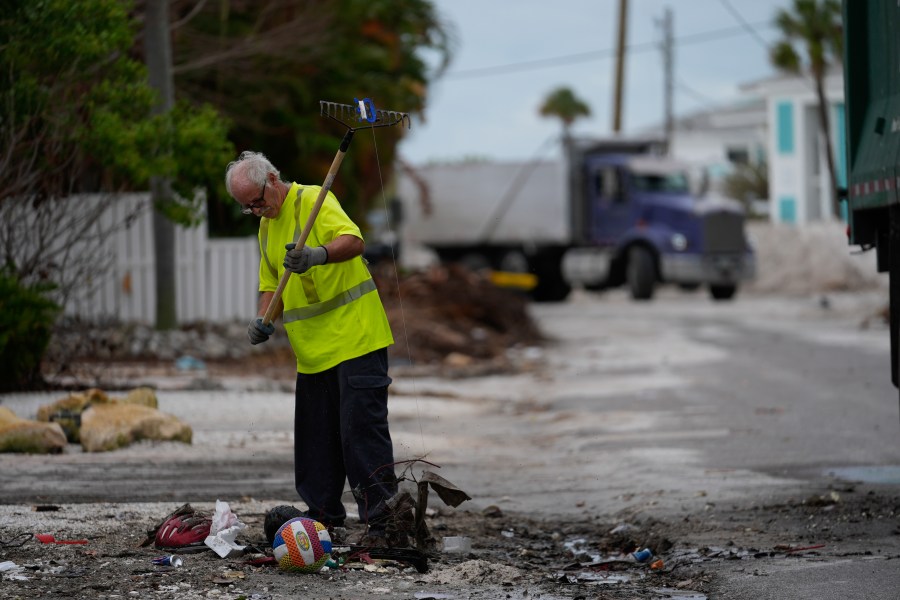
x=362, y=115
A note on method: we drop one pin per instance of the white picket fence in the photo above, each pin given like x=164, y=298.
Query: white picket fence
x=216, y=279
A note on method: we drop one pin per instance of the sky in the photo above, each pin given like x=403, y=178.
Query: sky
x=511, y=54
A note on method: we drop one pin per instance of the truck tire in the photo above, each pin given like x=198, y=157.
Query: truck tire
x=640, y=273
x=551, y=287
x=722, y=292
x=475, y=261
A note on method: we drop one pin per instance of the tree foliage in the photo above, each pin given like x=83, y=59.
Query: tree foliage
x=267, y=64
x=811, y=42
x=746, y=183
x=563, y=104
x=26, y=320
x=75, y=109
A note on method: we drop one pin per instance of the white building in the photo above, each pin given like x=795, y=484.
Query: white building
x=777, y=123
x=721, y=138
x=799, y=183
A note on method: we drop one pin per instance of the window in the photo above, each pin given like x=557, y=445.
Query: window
x=676, y=182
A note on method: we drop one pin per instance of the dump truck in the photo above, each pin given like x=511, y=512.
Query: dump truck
x=610, y=213
x=872, y=126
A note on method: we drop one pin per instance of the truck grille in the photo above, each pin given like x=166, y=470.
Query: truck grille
x=723, y=231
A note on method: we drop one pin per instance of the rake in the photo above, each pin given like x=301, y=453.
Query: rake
x=355, y=117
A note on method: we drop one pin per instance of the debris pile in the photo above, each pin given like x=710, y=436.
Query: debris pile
x=93, y=419
x=450, y=313
x=24, y=435
x=445, y=316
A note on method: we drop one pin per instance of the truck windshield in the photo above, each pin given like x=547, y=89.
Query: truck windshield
x=676, y=182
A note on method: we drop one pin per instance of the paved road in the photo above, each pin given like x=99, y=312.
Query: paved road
x=655, y=409
x=677, y=395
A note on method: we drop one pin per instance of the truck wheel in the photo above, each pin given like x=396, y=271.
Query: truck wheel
x=475, y=262
x=551, y=287
x=641, y=273
x=722, y=292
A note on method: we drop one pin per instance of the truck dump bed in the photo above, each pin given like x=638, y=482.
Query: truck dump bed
x=487, y=203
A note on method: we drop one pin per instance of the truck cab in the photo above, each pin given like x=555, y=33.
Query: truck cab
x=639, y=223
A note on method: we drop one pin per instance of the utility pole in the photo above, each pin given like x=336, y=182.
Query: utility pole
x=668, y=51
x=158, y=56
x=620, y=65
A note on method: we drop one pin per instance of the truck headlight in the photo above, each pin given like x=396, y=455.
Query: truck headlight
x=679, y=242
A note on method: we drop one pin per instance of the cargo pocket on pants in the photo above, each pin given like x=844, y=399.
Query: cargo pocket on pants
x=369, y=382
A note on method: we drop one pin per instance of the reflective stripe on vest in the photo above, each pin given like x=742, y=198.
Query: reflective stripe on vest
x=264, y=244
x=314, y=310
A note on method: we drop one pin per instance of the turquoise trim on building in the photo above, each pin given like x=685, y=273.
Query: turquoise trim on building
x=784, y=126
x=840, y=124
x=787, y=210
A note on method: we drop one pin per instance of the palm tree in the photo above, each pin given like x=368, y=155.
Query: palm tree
x=811, y=42
x=563, y=104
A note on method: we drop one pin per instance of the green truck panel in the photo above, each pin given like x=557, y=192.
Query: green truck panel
x=872, y=83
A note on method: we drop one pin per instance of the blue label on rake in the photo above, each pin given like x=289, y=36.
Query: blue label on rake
x=365, y=108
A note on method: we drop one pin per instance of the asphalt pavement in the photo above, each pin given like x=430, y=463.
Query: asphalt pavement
x=670, y=409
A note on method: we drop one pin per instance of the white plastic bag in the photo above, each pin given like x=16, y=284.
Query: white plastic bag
x=223, y=531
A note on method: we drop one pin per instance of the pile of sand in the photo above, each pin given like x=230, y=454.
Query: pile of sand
x=812, y=259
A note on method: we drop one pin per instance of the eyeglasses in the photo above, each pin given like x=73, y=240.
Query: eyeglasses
x=258, y=203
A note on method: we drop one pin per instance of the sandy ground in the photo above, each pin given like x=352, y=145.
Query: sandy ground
x=536, y=532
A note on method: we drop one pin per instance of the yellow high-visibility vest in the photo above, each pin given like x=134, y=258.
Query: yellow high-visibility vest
x=332, y=313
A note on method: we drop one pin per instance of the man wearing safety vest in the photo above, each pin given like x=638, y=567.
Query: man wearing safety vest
x=339, y=332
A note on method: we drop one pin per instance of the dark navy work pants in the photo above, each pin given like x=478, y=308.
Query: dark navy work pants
x=341, y=433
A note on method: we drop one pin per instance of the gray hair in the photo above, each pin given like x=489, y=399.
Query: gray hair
x=256, y=168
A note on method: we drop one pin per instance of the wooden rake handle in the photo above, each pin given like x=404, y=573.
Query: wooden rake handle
x=301, y=240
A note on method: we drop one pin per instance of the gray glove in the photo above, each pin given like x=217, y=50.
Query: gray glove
x=299, y=261
x=258, y=332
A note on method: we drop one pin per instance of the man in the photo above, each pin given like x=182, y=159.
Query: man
x=339, y=332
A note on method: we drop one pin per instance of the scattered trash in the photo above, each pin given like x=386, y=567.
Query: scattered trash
x=792, y=549
x=492, y=512
x=595, y=578
x=16, y=541
x=171, y=560
x=433, y=596
x=508, y=533
x=46, y=508
x=183, y=530
x=189, y=363
x=578, y=549
x=677, y=594
x=12, y=571
x=457, y=544
x=642, y=555
x=622, y=528
x=46, y=538
x=223, y=531
x=657, y=565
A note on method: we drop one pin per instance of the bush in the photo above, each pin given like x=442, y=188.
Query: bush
x=26, y=322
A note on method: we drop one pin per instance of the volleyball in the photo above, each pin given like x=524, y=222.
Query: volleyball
x=302, y=545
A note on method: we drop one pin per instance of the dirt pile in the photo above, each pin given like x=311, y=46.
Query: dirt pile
x=453, y=315
x=446, y=317
x=815, y=258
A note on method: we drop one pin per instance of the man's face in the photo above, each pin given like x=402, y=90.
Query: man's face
x=254, y=199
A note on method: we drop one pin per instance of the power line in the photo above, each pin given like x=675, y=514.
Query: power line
x=696, y=96
x=747, y=26
x=568, y=59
